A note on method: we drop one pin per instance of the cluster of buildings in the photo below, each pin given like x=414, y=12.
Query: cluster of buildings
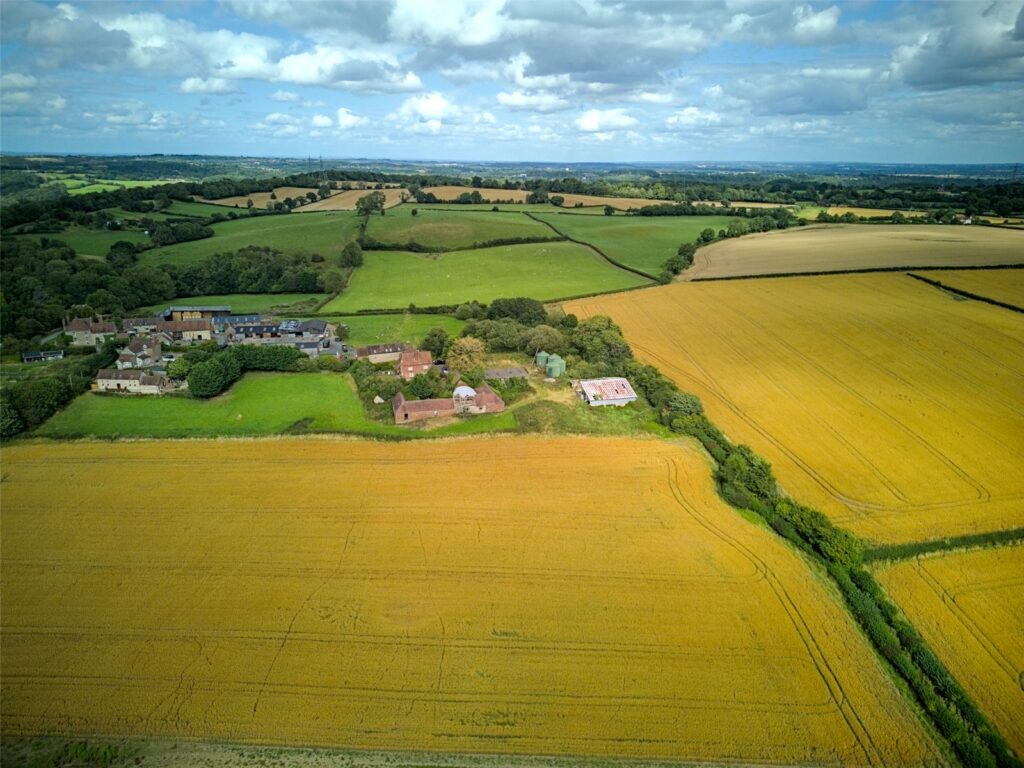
x=140, y=362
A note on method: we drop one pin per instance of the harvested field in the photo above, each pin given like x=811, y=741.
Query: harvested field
x=393, y=602
x=545, y=271
x=969, y=606
x=345, y=200
x=260, y=199
x=812, y=211
x=1005, y=285
x=839, y=247
x=621, y=203
x=886, y=403
x=488, y=193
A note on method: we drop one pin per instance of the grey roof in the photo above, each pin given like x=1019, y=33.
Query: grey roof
x=237, y=319
x=247, y=328
x=380, y=349
x=303, y=326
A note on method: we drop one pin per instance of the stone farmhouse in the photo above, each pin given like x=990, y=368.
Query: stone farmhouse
x=131, y=382
x=381, y=353
x=185, y=331
x=141, y=352
x=413, y=362
x=86, y=332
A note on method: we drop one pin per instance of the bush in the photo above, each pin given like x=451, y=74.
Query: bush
x=207, y=379
x=332, y=363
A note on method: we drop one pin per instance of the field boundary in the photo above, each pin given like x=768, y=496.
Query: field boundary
x=865, y=271
x=894, y=552
x=595, y=249
x=966, y=294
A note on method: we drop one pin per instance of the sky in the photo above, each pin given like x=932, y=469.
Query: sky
x=517, y=80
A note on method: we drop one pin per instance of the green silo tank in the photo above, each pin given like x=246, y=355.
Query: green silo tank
x=541, y=359
x=555, y=368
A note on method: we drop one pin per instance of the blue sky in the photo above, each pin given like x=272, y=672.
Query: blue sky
x=551, y=80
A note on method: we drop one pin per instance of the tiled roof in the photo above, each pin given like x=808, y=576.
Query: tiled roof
x=613, y=388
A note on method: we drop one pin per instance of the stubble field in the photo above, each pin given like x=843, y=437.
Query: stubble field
x=354, y=596
x=886, y=403
x=969, y=606
x=345, y=200
x=839, y=247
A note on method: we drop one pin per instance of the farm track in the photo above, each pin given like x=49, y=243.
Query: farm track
x=479, y=629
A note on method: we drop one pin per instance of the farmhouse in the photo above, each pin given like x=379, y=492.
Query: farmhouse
x=140, y=326
x=381, y=353
x=483, y=399
x=505, y=374
x=609, y=391
x=140, y=353
x=39, y=357
x=407, y=411
x=185, y=331
x=412, y=362
x=130, y=382
x=194, y=312
x=86, y=332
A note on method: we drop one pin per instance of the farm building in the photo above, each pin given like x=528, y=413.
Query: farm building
x=483, y=399
x=407, y=411
x=414, y=361
x=185, y=331
x=86, y=332
x=310, y=347
x=140, y=353
x=221, y=323
x=505, y=374
x=609, y=391
x=194, y=312
x=257, y=330
x=303, y=329
x=140, y=326
x=39, y=357
x=130, y=382
x=381, y=353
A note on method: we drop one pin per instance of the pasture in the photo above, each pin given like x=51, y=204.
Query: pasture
x=449, y=230
x=641, y=242
x=257, y=404
x=1005, y=285
x=396, y=279
x=381, y=329
x=246, y=303
x=969, y=607
x=92, y=242
x=882, y=401
x=419, y=596
x=345, y=200
x=325, y=234
x=839, y=247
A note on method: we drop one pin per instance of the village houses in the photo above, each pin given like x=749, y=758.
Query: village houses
x=87, y=332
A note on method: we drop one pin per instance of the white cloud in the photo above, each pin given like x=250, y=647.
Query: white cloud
x=541, y=101
x=57, y=104
x=471, y=71
x=279, y=118
x=348, y=120
x=515, y=70
x=651, y=97
x=347, y=68
x=207, y=85
x=462, y=22
x=321, y=121
x=811, y=27
x=17, y=80
x=693, y=116
x=285, y=96
x=604, y=120
x=430, y=106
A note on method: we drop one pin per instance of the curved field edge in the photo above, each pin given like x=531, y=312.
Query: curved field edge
x=847, y=247
x=596, y=664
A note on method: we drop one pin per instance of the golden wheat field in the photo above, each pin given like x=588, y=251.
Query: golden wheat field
x=1005, y=285
x=489, y=194
x=345, y=200
x=597, y=599
x=892, y=406
x=969, y=606
x=260, y=199
x=838, y=247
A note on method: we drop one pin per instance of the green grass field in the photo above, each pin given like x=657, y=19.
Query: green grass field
x=642, y=242
x=323, y=233
x=449, y=230
x=517, y=207
x=247, y=303
x=93, y=242
x=380, y=329
x=258, y=404
x=78, y=184
x=395, y=279
x=199, y=210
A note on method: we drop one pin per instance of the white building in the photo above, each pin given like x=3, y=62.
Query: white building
x=610, y=391
x=133, y=382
